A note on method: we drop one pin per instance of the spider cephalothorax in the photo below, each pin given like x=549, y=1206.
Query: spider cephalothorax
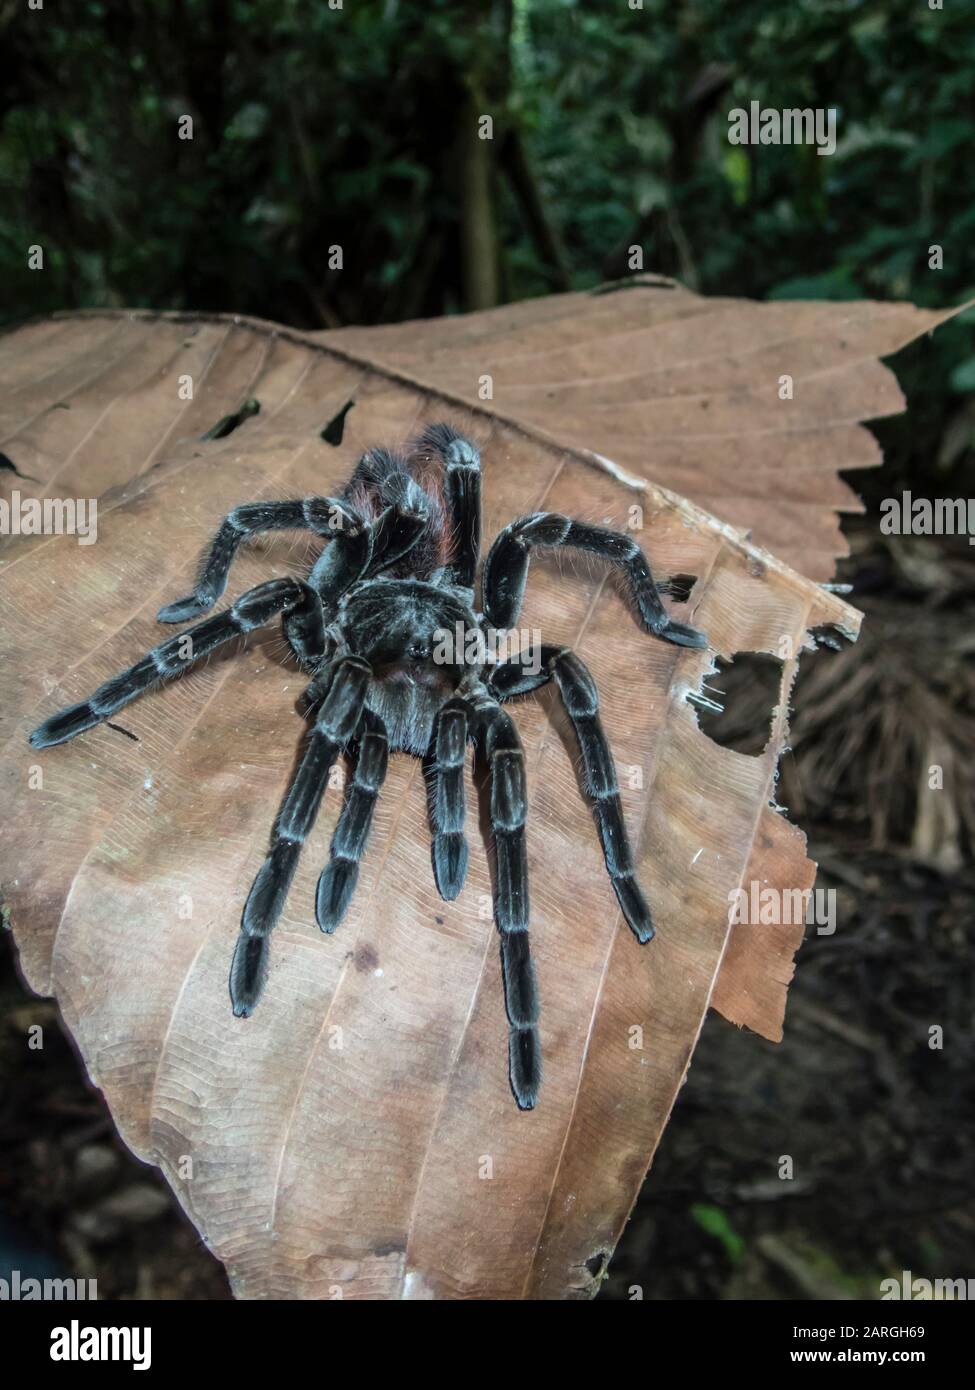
x=383, y=625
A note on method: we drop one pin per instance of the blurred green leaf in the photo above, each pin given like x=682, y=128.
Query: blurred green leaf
x=714, y=1221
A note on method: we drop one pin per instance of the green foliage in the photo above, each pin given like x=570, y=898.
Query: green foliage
x=715, y=1222
x=317, y=127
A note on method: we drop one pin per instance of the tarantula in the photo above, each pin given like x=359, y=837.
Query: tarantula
x=376, y=624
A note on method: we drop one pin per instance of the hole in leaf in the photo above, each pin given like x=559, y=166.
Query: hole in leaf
x=335, y=429
x=7, y=462
x=231, y=422
x=678, y=586
x=736, y=703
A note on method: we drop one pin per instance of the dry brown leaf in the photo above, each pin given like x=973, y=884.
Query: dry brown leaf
x=683, y=391
x=308, y=1168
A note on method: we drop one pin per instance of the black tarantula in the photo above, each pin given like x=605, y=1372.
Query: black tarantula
x=377, y=624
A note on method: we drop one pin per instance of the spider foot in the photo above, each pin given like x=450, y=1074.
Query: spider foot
x=449, y=864
x=682, y=635
x=181, y=610
x=67, y=723
x=248, y=973
x=335, y=888
x=635, y=907
x=525, y=1065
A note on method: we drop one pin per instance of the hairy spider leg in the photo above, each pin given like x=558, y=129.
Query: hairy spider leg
x=506, y=570
x=171, y=658
x=462, y=466
x=446, y=759
x=498, y=738
x=535, y=668
x=340, y=875
x=326, y=516
x=335, y=724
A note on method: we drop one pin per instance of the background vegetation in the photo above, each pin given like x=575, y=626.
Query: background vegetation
x=355, y=126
